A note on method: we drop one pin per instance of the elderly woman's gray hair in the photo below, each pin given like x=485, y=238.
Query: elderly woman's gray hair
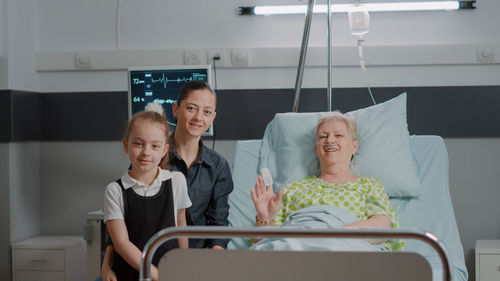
x=337, y=116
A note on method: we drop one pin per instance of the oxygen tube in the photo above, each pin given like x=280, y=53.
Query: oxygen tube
x=359, y=22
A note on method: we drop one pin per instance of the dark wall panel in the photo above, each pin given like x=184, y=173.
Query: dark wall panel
x=450, y=112
x=446, y=111
x=93, y=116
x=5, y=116
x=243, y=114
x=455, y=111
x=26, y=116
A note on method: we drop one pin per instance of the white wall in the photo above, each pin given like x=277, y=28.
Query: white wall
x=475, y=191
x=3, y=43
x=72, y=175
x=171, y=24
x=24, y=166
x=5, y=254
x=20, y=200
x=21, y=184
x=158, y=24
x=21, y=44
x=3, y=24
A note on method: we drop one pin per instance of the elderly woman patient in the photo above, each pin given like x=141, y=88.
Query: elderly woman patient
x=336, y=144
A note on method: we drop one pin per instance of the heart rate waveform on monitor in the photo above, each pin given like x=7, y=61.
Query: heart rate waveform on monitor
x=151, y=79
x=161, y=85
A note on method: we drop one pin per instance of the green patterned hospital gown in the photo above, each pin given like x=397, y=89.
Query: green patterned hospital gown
x=365, y=197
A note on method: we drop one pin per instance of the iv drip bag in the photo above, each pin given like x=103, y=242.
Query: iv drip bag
x=359, y=21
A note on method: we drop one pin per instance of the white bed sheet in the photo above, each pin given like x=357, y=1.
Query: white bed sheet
x=432, y=211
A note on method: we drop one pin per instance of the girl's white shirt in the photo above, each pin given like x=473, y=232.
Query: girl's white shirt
x=113, y=199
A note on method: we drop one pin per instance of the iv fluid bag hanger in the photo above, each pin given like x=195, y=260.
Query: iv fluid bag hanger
x=359, y=22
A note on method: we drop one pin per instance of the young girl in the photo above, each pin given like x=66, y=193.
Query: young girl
x=147, y=198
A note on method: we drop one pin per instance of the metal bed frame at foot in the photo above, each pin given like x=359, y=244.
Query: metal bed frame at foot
x=276, y=232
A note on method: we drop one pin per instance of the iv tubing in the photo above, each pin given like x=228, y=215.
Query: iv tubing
x=329, y=57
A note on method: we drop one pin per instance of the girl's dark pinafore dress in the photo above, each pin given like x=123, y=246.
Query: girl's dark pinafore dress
x=145, y=216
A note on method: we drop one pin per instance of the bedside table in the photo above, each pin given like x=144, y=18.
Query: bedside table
x=487, y=260
x=56, y=258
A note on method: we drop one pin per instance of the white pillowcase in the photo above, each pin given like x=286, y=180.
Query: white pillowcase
x=384, y=147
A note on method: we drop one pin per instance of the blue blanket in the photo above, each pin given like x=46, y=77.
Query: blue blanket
x=317, y=217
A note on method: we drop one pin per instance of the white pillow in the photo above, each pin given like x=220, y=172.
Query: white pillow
x=384, y=147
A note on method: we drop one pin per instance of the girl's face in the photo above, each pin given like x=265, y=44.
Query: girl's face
x=196, y=113
x=334, y=144
x=146, y=145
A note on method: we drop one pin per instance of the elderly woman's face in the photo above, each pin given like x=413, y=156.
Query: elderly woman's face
x=334, y=144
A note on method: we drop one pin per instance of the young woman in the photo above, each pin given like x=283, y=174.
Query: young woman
x=208, y=174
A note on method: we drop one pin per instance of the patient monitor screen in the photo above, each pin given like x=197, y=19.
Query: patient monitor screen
x=162, y=85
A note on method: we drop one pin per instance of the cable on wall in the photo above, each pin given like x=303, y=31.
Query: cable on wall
x=117, y=24
x=214, y=59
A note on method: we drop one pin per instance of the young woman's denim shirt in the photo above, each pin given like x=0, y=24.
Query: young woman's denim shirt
x=209, y=184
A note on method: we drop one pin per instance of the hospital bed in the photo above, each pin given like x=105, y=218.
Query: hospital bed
x=426, y=209
x=430, y=209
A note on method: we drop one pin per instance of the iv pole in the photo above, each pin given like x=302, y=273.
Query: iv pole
x=302, y=58
x=329, y=58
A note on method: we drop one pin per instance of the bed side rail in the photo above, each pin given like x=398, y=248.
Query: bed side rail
x=277, y=232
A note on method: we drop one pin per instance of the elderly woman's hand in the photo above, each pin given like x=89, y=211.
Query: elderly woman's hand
x=266, y=203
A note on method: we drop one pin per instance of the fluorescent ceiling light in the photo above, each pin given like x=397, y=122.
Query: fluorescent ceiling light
x=370, y=7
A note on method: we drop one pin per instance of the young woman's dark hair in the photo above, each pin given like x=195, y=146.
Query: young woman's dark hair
x=190, y=86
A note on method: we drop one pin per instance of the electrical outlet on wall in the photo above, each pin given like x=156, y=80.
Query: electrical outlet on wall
x=221, y=53
x=192, y=56
x=83, y=60
x=485, y=54
x=240, y=57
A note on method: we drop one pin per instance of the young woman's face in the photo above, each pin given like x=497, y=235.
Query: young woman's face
x=146, y=145
x=196, y=113
x=334, y=144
